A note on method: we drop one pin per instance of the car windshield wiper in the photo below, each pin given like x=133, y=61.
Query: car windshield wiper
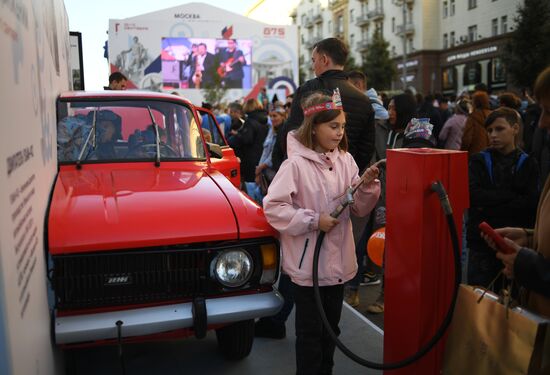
x=157, y=137
x=91, y=135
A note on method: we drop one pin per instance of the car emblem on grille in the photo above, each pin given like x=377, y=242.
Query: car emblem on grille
x=118, y=280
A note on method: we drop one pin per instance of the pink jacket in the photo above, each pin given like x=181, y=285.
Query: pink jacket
x=306, y=185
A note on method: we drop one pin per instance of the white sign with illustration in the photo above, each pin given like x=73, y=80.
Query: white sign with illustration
x=193, y=47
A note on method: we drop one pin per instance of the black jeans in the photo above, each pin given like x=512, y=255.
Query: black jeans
x=314, y=348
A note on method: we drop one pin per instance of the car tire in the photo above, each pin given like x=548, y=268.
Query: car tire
x=235, y=340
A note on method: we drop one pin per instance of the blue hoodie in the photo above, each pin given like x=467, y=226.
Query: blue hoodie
x=380, y=113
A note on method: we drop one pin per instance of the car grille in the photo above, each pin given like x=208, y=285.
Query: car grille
x=122, y=278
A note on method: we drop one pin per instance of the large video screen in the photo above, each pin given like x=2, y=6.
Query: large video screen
x=198, y=63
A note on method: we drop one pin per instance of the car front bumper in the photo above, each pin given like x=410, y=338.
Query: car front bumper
x=152, y=320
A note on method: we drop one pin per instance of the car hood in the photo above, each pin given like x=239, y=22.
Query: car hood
x=103, y=208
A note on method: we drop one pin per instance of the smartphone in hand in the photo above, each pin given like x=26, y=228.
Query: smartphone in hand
x=501, y=245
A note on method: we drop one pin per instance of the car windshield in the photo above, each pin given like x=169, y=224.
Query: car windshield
x=120, y=131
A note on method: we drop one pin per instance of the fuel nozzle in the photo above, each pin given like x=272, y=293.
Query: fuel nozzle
x=349, y=195
x=348, y=199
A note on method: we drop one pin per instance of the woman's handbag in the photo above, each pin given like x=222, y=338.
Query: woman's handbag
x=487, y=337
x=266, y=177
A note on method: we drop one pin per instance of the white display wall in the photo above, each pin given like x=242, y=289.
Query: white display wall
x=34, y=40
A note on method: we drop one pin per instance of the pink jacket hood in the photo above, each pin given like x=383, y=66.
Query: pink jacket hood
x=308, y=184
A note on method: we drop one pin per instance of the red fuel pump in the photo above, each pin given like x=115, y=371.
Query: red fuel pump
x=422, y=259
x=419, y=271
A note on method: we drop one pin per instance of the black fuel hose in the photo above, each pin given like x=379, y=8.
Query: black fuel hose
x=437, y=187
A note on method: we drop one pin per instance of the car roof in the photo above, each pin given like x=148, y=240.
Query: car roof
x=122, y=94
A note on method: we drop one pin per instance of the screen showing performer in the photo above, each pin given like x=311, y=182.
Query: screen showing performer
x=200, y=63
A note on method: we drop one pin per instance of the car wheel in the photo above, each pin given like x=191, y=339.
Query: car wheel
x=235, y=341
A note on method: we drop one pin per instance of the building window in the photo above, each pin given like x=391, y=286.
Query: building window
x=329, y=27
x=351, y=16
x=472, y=33
x=494, y=27
x=472, y=74
x=445, y=41
x=352, y=41
x=393, y=24
x=411, y=48
x=445, y=9
x=452, y=8
x=340, y=24
x=452, y=39
x=472, y=4
x=379, y=29
x=504, y=24
x=303, y=19
x=498, y=71
x=449, y=78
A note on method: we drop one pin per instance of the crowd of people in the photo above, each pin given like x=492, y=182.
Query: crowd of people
x=327, y=136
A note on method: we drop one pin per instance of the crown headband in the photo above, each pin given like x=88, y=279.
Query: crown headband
x=335, y=103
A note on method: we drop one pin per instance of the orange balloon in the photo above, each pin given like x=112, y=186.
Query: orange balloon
x=375, y=246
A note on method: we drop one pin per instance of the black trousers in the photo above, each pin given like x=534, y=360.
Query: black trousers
x=314, y=348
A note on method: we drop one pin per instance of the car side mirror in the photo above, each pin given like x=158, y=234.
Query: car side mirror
x=214, y=150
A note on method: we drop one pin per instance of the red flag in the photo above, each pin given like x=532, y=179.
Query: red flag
x=227, y=32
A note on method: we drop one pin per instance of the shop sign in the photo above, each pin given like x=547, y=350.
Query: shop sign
x=408, y=64
x=468, y=54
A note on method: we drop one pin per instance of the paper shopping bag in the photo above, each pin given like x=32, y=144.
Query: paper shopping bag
x=485, y=339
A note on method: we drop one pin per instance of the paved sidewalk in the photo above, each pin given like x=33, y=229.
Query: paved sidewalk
x=367, y=295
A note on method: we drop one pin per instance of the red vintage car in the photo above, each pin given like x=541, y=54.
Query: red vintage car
x=148, y=235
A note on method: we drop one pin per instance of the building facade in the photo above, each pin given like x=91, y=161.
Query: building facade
x=437, y=45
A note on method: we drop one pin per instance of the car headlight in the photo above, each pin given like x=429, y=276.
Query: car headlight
x=234, y=268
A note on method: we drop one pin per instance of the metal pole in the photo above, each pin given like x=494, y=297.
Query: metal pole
x=404, y=36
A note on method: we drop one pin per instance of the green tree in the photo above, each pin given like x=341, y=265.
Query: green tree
x=351, y=65
x=378, y=66
x=528, y=51
x=213, y=93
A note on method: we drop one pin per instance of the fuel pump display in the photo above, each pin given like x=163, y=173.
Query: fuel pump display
x=419, y=266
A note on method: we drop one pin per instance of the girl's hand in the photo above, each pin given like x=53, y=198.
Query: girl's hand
x=370, y=174
x=327, y=222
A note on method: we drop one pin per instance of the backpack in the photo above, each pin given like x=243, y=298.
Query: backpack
x=489, y=162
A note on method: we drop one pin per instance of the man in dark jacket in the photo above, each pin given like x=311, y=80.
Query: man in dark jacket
x=328, y=59
x=117, y=81
x=246, y=138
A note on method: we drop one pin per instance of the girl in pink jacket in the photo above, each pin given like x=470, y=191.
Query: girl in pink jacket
x=307, y=187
